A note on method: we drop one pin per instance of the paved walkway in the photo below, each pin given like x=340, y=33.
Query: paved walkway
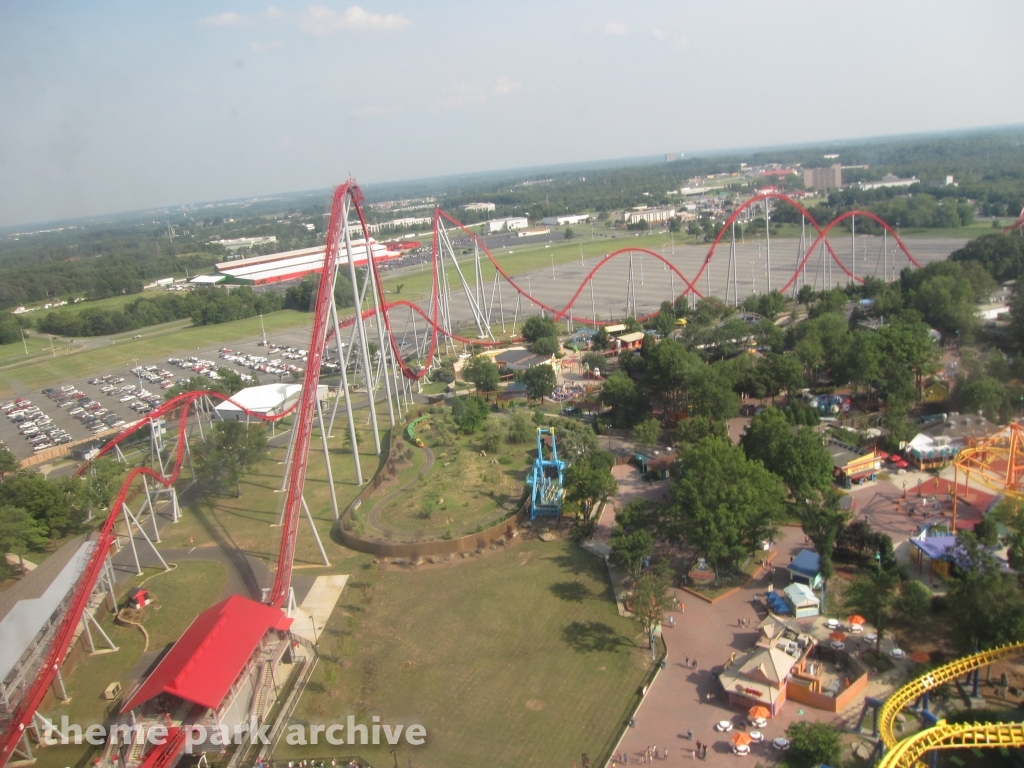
x=677, y=701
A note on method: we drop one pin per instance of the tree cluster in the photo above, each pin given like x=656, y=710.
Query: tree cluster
x=230, y=450
x=205, y=306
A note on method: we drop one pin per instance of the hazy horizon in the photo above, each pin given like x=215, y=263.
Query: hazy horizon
x=112, y=108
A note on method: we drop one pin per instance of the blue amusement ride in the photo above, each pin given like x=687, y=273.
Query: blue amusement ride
x=546, y=479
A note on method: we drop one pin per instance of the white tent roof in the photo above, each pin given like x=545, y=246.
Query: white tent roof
x=267, y=398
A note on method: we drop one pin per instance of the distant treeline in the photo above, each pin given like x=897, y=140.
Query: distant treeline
x=988, y=167
x=205, y=306
x=95, y=266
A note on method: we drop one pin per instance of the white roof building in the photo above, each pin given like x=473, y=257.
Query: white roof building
x=651, y=215
x=560, y=221
x=507, y=225
x=889, y=180
x=267, y=399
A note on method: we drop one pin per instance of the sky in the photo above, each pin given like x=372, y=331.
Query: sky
x=117, y=106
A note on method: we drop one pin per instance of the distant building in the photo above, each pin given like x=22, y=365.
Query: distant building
x=561, y=221
x=890, y=180
x=824, y=178
x=671, y=157
x=510, y=224
x=532, y=231
x=245, y=242
x=650, y=215
x=291, y=265
x=849, y=467
x=478, y=207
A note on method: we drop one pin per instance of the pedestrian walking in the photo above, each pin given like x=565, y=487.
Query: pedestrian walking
x=687, y=661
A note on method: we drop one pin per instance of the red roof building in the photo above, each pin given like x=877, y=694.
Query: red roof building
x=204, y=663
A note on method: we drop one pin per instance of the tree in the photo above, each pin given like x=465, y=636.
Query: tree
x=637, y=515
x=537, y=327
x=600, y=340
x=546, y=345
x=631, y=549
x=445, y=372
x=482, y=372
x=8, y=463
x=800, y=458
x=588, y=482
x=822, y=521
x=873, y=596
x=470, y=413
x=20, y=533
x=980, y=393
x=569, y=234
x=665, y=321
x=494, y=435
x=812, y=744
x=986, y=606
x=651, y=599
x=576, y=441
x=520, y=427
x=539, y=381
x=103, y=481
x=58, y=505
x=913, y=601
x=696, y=428
x=645, y=434
x=1001, y=255
x=627, y=403
x=231, y=449
x=722, y=504
x=593, y=361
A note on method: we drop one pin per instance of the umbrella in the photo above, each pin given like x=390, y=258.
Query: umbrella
x=921, y=657
x=837, y=635
x=855, y=619
x=757, y=711
x=740, y=739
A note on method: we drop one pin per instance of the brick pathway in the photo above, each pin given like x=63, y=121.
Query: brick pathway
x=677, y=701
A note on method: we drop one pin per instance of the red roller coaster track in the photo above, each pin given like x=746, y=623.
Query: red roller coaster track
x=17, y=721
x=556, y=313
x=20, y=718
x=1017, y=224
x=346, y=197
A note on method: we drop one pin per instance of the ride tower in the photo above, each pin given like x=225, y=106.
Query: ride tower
x=546, y=480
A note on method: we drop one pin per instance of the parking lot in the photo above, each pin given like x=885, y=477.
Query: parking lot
x=73, y=410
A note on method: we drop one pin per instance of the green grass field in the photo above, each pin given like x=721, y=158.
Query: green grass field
x=518, y=658
x=464, y=491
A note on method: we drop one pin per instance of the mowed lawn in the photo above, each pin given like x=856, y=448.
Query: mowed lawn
x=517, y=658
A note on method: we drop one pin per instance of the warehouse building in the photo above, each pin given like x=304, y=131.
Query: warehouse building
x=290, y=265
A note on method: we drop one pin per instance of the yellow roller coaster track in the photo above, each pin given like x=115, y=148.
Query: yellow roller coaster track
x=942, y=735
